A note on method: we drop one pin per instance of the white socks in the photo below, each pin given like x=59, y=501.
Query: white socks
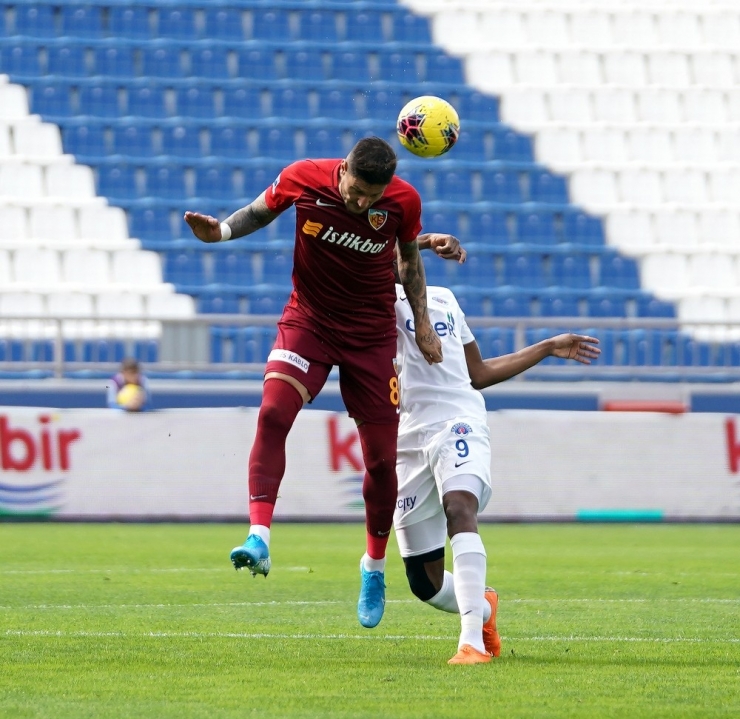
x=445, y=598
x=469, y=563
x=372, y=565
x=262, y=532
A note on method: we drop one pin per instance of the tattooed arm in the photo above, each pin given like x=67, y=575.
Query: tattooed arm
x=243, y=222
x=413, y=279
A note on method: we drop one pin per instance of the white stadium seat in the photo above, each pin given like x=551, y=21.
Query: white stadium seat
x=21, y=181
x=625, y=69
x=163, y=306
x=14, y=225
x=695, y=146
x=669, y=69
x=460, y=31
x=676, y=229
x=679, y=30
x=37, y=139
x=535, y=68
x=102, y=224
x=614, y=106
x=714, y=271
x=649, y=147
x=24, y=304
x=658, y=106
x=547, y=29
x=721, y=30
x=729, y=145
x=666, y=273
x=86, y=268
x=73, y=304
x=524, y=108
x=704, y=106
x=5, y=268
x=631, y=231
x=634, y=29
x=724, y=186
x=605, y=146
x=36, y=267
x=491, y=72
x=570, y=106
x=640, y=188
x=578, y=68
x=137, y=268
x=685, y=187
x=594, y=189
x=712, y=70
x=591, y=29
x=503, y=29
x=13, y=102
x=72, y=182
x=53, y=223
x=720, y=227
x=559, y=148
x=6, y=147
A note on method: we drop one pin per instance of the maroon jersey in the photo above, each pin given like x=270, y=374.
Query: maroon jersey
x=342, y=262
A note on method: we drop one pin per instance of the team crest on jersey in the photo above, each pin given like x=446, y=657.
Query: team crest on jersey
x=461, y=428
x=275, y=184
x=377, y=218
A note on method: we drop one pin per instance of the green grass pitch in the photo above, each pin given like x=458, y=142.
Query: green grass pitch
x=151, y=621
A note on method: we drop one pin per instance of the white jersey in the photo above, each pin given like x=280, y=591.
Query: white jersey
x=430, y=394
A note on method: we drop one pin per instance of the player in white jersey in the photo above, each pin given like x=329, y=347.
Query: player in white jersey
x=444, y=462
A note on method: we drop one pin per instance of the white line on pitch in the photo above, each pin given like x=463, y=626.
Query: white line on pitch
x=386, y=637
x=676, y=600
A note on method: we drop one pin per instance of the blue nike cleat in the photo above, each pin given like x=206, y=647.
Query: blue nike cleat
x=253, y=554
x=371, y=605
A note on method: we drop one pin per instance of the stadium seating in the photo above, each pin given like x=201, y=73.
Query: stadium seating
x=570, y=116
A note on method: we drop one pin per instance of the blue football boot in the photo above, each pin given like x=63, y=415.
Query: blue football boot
x=253, y=554
x=371, y=605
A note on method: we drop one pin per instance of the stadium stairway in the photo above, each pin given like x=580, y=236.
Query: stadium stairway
x=199, y=106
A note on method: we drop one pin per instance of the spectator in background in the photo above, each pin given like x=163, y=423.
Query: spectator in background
x=129, y=388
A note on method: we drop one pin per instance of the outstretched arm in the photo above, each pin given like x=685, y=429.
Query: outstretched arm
x=484, y=373
x=447, y=247
x=243, y=222
x=413, y=279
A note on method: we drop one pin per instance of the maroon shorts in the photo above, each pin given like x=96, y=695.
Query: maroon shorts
x=367, y=375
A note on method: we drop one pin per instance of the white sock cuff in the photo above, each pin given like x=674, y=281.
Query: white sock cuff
x=261, y=531
x=467, y=543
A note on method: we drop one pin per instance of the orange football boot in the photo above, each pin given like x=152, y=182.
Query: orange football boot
x=469, y=655
x=491, y=638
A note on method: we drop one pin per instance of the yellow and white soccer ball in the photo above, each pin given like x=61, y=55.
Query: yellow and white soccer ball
x=128, y=394
x=428, y=126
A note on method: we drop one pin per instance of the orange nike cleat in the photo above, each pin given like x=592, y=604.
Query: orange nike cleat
x=491, y=638
x=469, y=655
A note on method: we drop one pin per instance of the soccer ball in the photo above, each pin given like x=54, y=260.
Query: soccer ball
x=428, y=126
x=128, y=394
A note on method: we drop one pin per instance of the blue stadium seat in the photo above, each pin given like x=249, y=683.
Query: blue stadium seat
x=571, y=270
x=277, y=266
x=583, y=229
x=435, y=271
x=271, y=25
x=479, y=270
x=352, y=67
x=114, y=61
x=269, y=300
x=472, y=303
x=147, y=102
x=324, y=143
x=509, y=303
x=649, y=306
x=455, y=186
x=444, y=222
x=558, y=303
x=85, y=140
x=22, y=58
x=117, y=181
x=130, y=23
x=318, y=26
x=162, y=62
x=181, y=141
x=150, y=223
x=277, y=143
x=546, y=187
x=489, y=227
x=257, y=64
x=219, y=303
x=383, y=105
x=166, y=181
x=524, y=270
x=339, y=104
x=184, y=267
x=258, y=179
x=67, y=60
x=397, y=67
x=224, y=24
x=512, y=146
x=133, y=140
x=82, y=21
x=305, y=65
x=475, y=106
x=470, y=145
x=501, y=186
x=536, y=228
x=103, y=350
x=243, y=102
x=441, y=67
x=51, y=98
x=253, y=344
x=606, y=304
x=209, y=62
x=228, y=142
x=177, y=23
x=408, y=27
x=146, y=350
x=99, y=101
x=290, y=102
x=35, y=20
x=364, y=27
x=494, y=341
x=618, y=271
x=233, y=268
x=195, y=102
x=217, y=182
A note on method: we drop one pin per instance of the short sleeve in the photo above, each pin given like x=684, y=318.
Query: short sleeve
x=410, y=227
x=286, y=189
x=466, y=334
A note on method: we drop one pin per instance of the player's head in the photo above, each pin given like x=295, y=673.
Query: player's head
x=130, y=370
x=365, y=173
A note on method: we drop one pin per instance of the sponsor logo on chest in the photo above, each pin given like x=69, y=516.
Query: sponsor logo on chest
x=344, y=239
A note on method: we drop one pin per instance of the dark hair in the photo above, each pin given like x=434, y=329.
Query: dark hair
x=130, y=364
x=372, y=160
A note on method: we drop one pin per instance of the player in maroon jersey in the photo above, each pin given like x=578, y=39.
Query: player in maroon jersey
x=350, y=214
